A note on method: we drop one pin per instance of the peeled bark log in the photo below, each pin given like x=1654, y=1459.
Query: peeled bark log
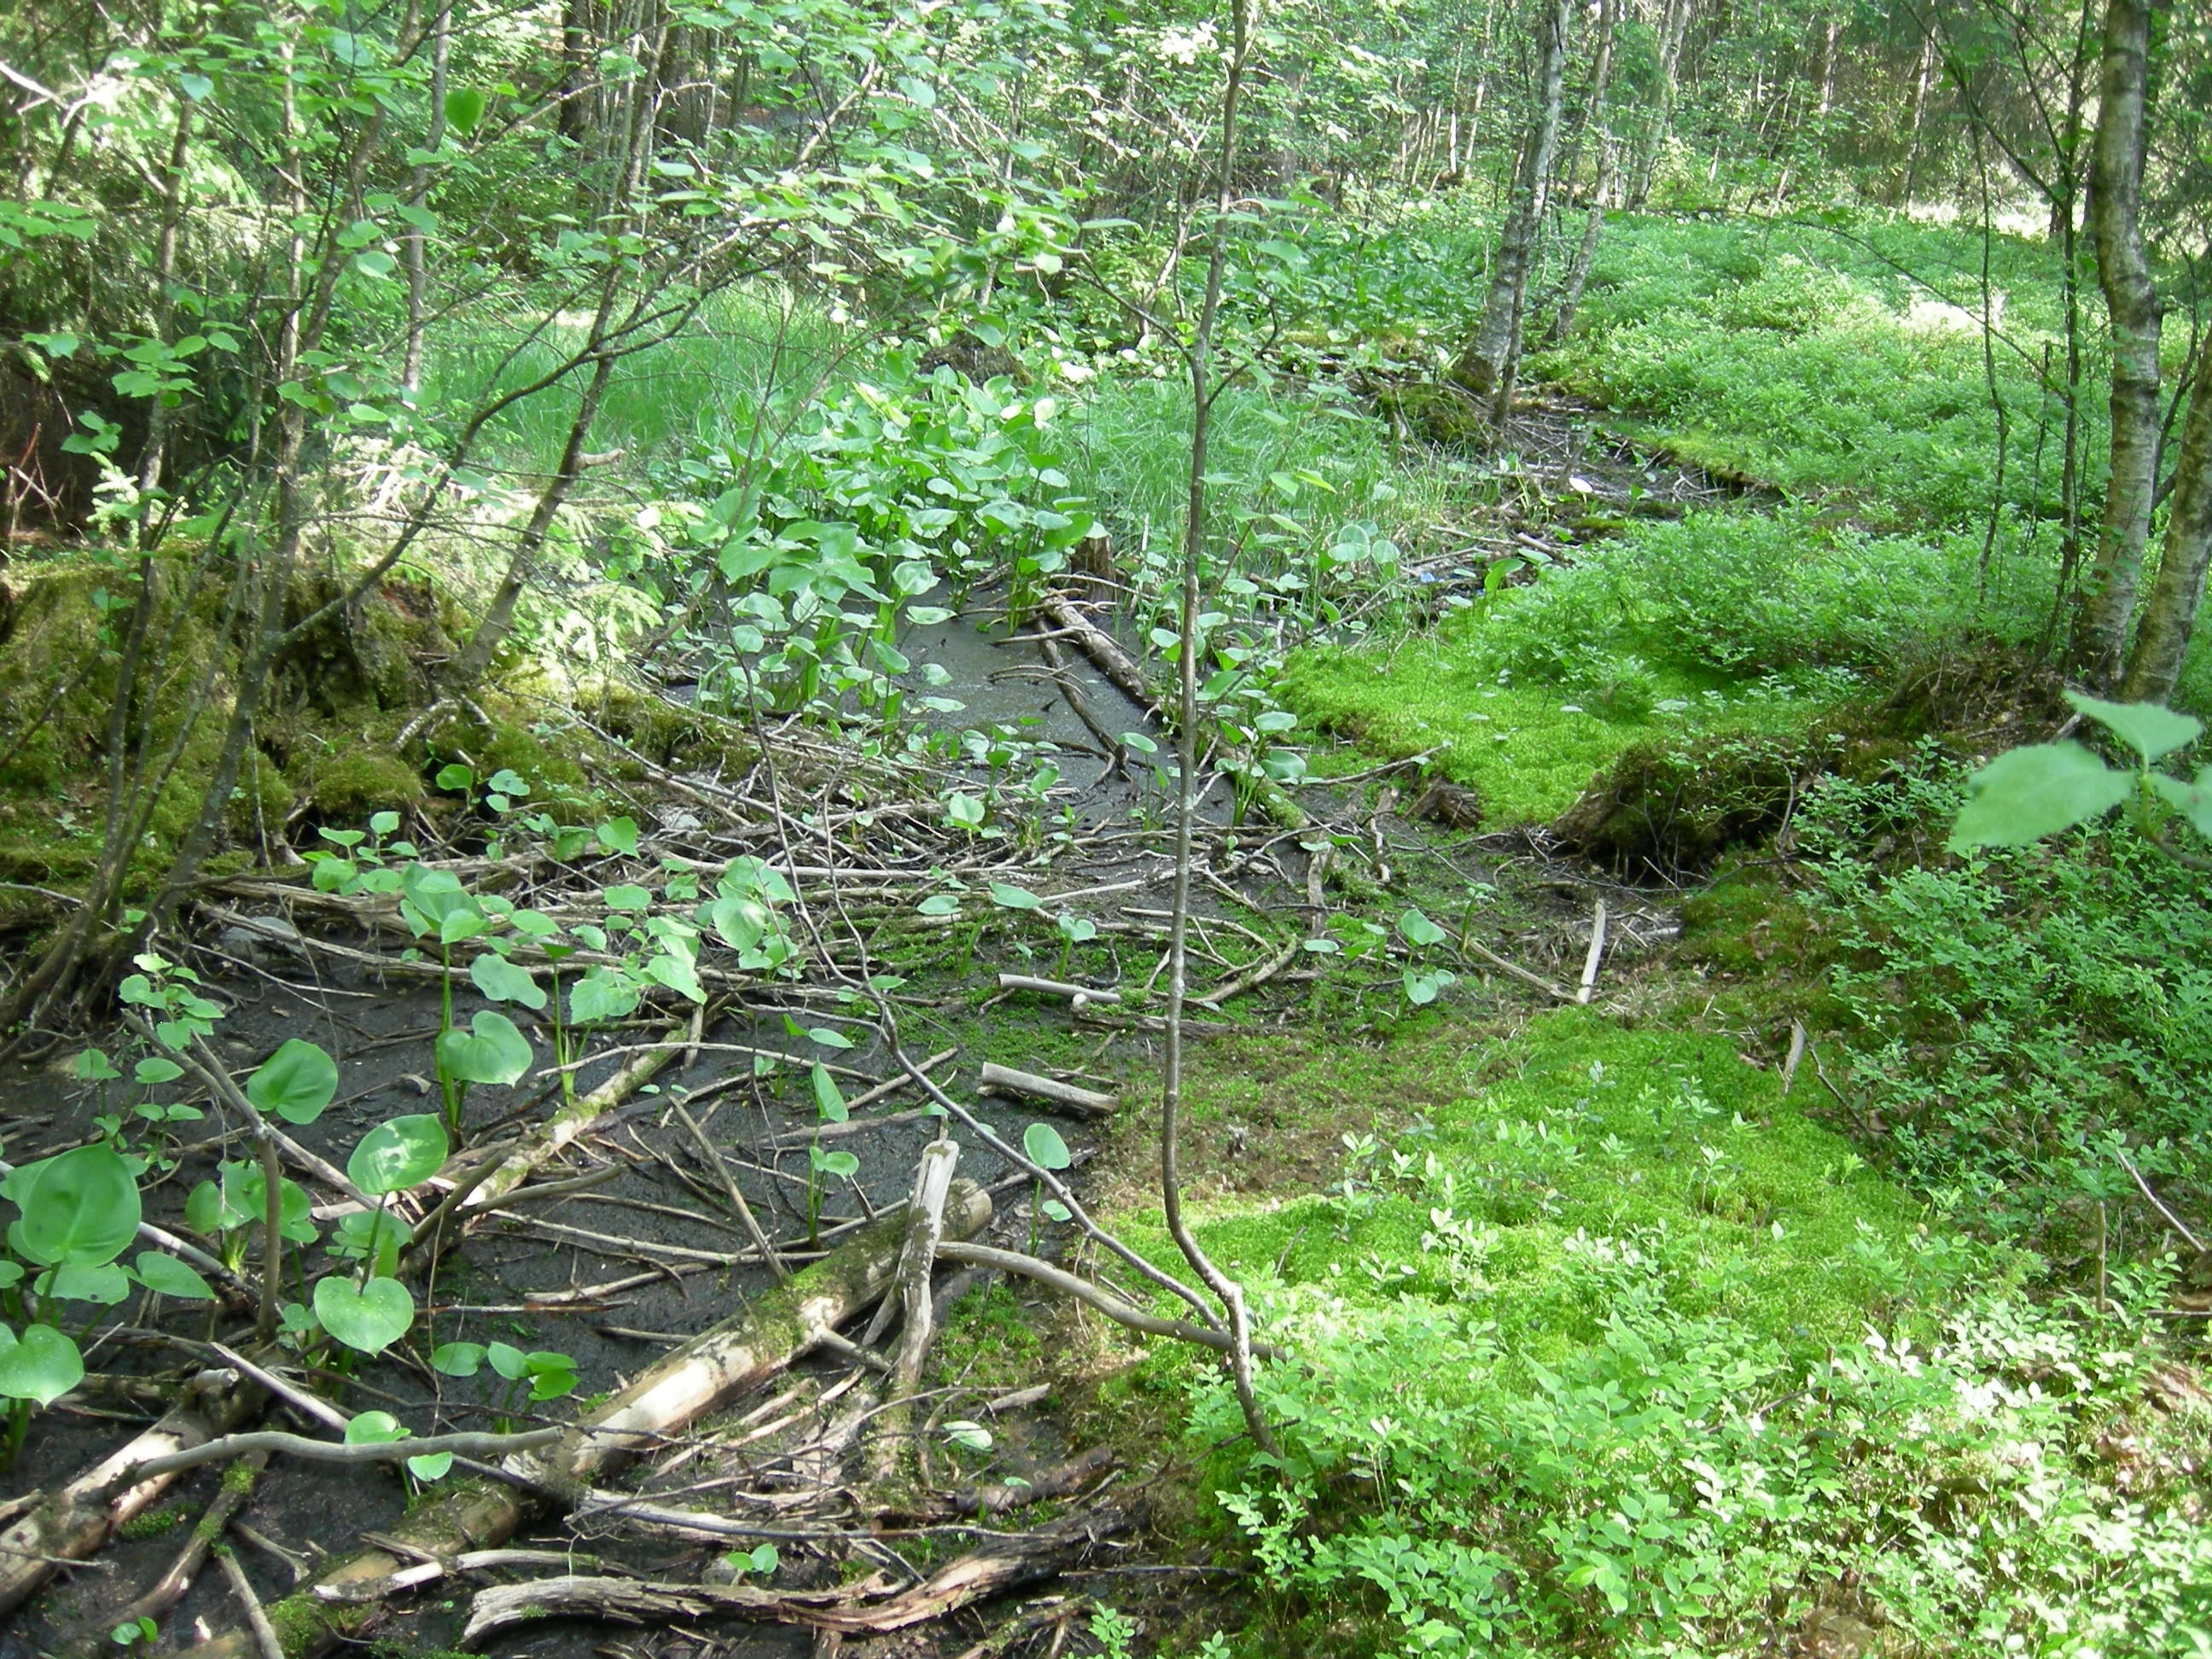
x=80, y=1520
x=1067, y=1097
x=779, y=1326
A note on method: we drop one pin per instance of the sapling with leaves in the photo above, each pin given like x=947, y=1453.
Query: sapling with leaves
x=2041, y=789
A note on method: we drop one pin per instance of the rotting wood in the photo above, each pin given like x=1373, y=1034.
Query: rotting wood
x=1067, y=1096
x=747, y=1349
x=1046, y=1486
x=78, y=1521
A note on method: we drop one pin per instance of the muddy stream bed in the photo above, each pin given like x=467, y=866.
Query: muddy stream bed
x=637, y=1254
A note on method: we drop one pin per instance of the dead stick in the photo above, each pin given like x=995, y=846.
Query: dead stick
x=1059, y=1278
x=737, y=1197
x=1468, y=943
x=1596, y=953
x=334, y=1451
x=264, y=1633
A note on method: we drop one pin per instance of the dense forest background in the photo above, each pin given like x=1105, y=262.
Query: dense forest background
x=1543, y=658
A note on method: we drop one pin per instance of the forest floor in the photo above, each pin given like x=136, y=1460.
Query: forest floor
x=1552, y=1124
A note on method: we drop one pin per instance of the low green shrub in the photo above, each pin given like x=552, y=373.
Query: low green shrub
x=2017, y=1018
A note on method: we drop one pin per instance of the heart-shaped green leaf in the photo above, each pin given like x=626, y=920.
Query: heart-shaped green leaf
x=491, y=1051
x=43, y=1364
x=295, y=1083
x=457, y=1358
x=397, y=1154
x=375, y=1429
x=80, y=1206
x=86, y=1281
x=370, y=1317
x=165, y=1275
x=503, y=982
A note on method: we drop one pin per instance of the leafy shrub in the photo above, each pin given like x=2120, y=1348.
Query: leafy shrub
x=1684, y=1485
x=1739, y=594
x=2016, y=1017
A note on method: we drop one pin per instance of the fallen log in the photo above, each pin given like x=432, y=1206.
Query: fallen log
x=1040, y=1554
x=81, y=1519
x=778, y=1325
x=1067, y=1096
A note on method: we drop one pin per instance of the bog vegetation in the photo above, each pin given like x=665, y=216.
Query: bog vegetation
x=1538, y=663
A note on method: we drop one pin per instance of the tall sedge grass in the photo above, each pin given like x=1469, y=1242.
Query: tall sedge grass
x=747, y=349
x=1129, y=451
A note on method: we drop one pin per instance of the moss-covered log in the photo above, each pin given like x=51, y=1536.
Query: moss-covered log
x=743, y=1351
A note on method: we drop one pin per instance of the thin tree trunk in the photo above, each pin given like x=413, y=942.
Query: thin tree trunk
x=1571, y=291
x=1674, y=25
x=1921, y=82
x=2169, y=614
x=1202, y=394
x=2108, y=599
x=418, y=273
x=1827, y=73
x=1487, y=366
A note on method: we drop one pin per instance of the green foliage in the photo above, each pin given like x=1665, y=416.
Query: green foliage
x=2040, y=789
x=2019, y=1018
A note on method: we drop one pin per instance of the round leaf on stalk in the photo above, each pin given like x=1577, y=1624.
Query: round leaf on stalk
x=431, y=1465
x=404, y=1153
x=295, y=1083
x=457, y=1358
x=1045, y=1148
x=370, y=1317
x=42, y=1365
x=80, y=1206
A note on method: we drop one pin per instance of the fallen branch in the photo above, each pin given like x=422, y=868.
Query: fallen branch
x=170, y=1587
x=256, y=1616
x=471, y=1444
x=1059, y=1278
x=1054, y=988
x=79, y=1520
x=970, y=1578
